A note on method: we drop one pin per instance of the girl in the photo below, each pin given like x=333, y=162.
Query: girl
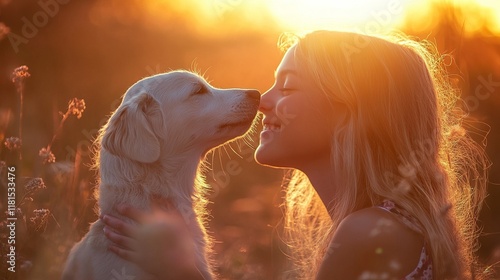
x=384, y=181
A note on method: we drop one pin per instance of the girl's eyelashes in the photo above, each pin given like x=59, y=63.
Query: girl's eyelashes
x=286, y=91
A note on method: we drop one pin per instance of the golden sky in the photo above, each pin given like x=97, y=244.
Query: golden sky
x=366, y=16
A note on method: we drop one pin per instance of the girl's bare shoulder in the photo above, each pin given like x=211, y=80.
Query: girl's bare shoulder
x=371, y=242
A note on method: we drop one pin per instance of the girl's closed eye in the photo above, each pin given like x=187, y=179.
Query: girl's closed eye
x=286, y=90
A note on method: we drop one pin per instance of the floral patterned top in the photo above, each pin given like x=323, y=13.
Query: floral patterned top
x=423, y=270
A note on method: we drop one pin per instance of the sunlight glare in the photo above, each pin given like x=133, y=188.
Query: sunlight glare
x=473, y=16
x=366, y=16
x=487, y=14
x=363, y=16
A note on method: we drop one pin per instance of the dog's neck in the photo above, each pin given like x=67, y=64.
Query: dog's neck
x=181, y=171
x=171, y=177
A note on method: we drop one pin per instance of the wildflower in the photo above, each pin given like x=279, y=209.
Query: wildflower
x=19, y=74
x=41, y=212
x=13, y=143
x=35, y=184
x=40, y=219
x=4, y=30
x=46, y=155
x=76, y=107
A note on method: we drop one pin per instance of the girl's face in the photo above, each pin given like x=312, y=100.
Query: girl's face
x=297, y=120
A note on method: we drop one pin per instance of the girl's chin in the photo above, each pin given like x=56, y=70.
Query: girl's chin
x=265, y=155
x=262, y=155
x=258, y=155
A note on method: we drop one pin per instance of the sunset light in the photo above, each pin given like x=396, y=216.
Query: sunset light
x=365, y=16
x=381, y=16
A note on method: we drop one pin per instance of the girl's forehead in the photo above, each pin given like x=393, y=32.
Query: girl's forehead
x=287, y=65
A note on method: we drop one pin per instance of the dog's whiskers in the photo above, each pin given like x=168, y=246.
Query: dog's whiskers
x=212, y=164
x=236, y=152
x=238, y=144
x=227, y=153
x=248, y=141
x=220, y=161
x=207, y=164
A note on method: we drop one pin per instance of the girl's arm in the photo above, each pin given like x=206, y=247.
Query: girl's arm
x=159, y=242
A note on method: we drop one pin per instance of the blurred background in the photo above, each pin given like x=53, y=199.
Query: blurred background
x=95, y=49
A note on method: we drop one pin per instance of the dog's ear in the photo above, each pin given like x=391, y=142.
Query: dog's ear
x=132, y=130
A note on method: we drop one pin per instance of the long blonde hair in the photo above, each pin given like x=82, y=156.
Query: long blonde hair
x=403, y=140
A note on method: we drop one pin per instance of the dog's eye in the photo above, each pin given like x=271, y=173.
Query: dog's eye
x=201, y=89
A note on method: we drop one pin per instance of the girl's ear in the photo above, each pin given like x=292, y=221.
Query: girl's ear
x=131, y=130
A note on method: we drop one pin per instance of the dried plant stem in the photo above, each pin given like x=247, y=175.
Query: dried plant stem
x=21, y=202
x=58, y=130
x=23, y=198
x=18, y=76
x=74, y=191
x=20, y=92
x=54, y=218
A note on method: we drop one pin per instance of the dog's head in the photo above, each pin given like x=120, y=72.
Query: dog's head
x=177, y=112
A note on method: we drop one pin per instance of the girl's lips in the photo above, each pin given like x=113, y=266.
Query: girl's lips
x=270, y=131
x=266, y=135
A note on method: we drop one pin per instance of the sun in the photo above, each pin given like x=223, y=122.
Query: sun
x=366, y=16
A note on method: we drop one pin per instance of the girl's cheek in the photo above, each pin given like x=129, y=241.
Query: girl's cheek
x=286, y=112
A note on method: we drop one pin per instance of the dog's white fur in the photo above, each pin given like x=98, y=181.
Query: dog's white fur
x=151, y=147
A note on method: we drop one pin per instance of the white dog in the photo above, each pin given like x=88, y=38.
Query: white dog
x=152, y=147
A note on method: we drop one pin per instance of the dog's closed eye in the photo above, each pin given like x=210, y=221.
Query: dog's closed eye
x=200, y=89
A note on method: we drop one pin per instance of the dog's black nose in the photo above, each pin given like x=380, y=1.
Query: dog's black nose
x=254, y=94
